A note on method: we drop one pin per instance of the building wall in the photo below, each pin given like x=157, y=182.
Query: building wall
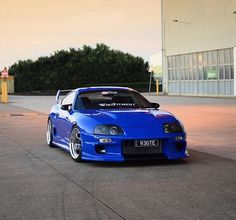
x=208, y=25
x=199, y=41
x=202, y=73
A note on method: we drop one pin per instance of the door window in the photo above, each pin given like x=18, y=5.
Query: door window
x=68, y=100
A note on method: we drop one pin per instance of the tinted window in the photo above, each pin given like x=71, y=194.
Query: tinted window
x=114, y=99
x=68, y=100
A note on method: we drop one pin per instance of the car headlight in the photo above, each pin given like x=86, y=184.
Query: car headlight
x=172, y=127
x=108, y=130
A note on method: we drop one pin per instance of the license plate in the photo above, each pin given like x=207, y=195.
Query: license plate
x=147, y=143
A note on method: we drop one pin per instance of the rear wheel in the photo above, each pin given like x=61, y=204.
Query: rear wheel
x=75, y=145
x=50, y=133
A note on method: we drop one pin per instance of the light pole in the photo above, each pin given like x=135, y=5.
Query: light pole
x=150, y=80
x=163, y=51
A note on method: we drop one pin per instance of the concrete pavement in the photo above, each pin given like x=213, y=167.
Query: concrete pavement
x=210, y=122
x=38, y=182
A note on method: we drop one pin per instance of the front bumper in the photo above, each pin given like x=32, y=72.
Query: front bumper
x=117, y=150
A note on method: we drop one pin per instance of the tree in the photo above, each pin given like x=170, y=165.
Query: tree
x=80, y=67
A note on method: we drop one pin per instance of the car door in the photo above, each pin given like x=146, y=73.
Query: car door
x=65, y=113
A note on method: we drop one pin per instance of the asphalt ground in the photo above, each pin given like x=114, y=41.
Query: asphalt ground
x=38, y=182
x=210, y=123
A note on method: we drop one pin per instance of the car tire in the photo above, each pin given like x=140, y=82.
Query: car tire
x=75, y=145
x=50, y=133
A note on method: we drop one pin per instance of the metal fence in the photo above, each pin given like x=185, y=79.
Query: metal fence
x=139, y=86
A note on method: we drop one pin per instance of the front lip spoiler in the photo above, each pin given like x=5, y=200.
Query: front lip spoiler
x=135, y=157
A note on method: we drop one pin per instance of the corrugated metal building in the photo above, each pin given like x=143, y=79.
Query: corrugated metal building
x=199, y=47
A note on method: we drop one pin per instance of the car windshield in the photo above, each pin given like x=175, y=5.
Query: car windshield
x=112, y=99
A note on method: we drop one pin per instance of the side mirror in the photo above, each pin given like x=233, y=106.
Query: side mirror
x=155, y=105
x=66, y=107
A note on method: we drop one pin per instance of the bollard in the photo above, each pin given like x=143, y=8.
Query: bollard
x=4, y=91
x=4, y=76
x=157, y=87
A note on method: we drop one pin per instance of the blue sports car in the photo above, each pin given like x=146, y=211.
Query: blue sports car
x=113, y=124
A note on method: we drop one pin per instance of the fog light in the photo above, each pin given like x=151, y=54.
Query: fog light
x=179, y=138
x=186, y=153
x=105, y=140
x=100, y=149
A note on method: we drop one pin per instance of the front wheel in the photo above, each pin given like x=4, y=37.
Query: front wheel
x=75, y=145
x=50, y=133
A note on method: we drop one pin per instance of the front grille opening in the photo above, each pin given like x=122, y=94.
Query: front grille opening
x=179, y=146
x=129, y=149
x=128, y=143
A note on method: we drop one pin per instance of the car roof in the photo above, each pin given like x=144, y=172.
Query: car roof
x=98, y=88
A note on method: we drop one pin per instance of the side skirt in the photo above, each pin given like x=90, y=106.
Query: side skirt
x=62, y=146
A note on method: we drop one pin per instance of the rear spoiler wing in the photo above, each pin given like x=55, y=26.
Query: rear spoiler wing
x=59, y=93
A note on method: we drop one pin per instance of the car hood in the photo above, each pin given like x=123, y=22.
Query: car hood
x=126, y=118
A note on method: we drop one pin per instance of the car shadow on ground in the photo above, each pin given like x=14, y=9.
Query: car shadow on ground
x=140, y=163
